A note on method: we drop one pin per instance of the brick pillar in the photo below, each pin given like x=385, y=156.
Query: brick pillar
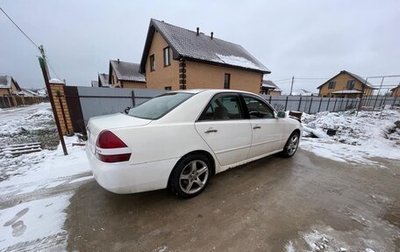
x=61, y=106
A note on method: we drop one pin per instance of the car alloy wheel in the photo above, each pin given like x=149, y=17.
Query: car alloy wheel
x=190, y=175
x=291, y=145
x=193, y=176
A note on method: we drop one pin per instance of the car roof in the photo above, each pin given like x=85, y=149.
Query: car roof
x=213, y=91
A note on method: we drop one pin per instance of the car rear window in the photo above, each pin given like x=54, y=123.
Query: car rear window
x=159, y=106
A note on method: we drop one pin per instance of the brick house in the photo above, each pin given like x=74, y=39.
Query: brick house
x=8, y=86
x=268, y=87
x=345, y=85
x=176, y=58
x=396, y=91
x=124, y=75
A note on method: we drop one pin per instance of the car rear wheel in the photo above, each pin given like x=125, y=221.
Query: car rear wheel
x=190, y=176
x=291, y=145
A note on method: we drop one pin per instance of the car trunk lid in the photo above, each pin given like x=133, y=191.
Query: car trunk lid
x=110, y=122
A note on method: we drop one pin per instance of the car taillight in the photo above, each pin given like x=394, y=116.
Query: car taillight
x=111, y=149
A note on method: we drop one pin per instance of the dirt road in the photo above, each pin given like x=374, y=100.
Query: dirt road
x=274, y=204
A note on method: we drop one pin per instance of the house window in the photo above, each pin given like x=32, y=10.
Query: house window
x=152, y=63
x=167, y=56
x=168, y=88
x=227, y=81
x=350, y=84
x=332, y=85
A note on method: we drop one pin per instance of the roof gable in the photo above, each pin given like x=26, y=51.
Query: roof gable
x=355, y=76
x=6, y=81
x=200, y=47
x=126, y=71
x=270, y=84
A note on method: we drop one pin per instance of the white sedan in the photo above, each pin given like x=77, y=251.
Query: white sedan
x=180, y=139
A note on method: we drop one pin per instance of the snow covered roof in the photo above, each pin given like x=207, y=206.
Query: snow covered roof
x=302, y=92
x=270, y=84
x=126, y=71
x=200, y=47
x=395, y=88
x=355, y=76
x=6, y=81
x=56, y=81
x=103, y=80
x=94, y=83
x=28, y=93
x=353, y=91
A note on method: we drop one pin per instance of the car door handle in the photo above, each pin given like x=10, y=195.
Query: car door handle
x=210, y=131
x=257, y=127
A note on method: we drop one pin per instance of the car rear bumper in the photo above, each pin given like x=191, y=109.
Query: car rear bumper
x=123, y=178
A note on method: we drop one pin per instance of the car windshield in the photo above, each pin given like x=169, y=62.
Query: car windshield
x=159, y=106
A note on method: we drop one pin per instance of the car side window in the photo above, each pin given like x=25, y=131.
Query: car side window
x=258, y=109
x=223, y=107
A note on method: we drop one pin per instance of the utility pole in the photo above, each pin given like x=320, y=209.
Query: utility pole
x=291, y=86
x=45, y=72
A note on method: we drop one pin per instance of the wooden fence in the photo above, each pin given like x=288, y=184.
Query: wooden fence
x=14, y=101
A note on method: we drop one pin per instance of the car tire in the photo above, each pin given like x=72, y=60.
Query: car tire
x=190, y=176
x=291, y=146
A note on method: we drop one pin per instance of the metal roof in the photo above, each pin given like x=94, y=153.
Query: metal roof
x=126, y=71
x=355, y=76
x=6, y=81
x=200, y=47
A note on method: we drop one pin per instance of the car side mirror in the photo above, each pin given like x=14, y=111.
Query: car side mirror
x=281, y=114
x=127, y=110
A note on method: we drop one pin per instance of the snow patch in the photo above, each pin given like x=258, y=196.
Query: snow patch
x=33, y=221
x=236, y=61
x=358, y=138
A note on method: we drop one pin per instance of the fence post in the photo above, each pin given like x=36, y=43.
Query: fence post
x=347, y=102
x=379, y=90
x=298, y=109
x=270, y=99
x=327, y=106
x=341, y=104
x=334, y=106
x=133, y=99
x=319, y=106
x=309, y=108
x=287, y=97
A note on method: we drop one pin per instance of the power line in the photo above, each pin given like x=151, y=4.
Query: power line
x=31, y=40
x=51, y=68
x=288, y=79
x=19, y=28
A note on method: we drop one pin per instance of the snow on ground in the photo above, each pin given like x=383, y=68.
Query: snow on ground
x=34, y=221
x=35, y=188
x=325, y=238
x=359, y=138
x=45, y=169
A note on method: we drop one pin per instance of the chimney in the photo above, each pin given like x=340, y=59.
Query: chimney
x=118, y=61
x=212, y=35
x=198, y=31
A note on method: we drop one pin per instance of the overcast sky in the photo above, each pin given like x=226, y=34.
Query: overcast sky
x=305, y=39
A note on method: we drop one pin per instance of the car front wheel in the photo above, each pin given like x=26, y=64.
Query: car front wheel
x=291, y=145
x=190, y=176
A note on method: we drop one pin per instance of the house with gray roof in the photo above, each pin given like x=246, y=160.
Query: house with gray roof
x=8, y=86
x=346, y=85
x=268, y=87
x=102, y=81
x=124, y=74
x=177, y=58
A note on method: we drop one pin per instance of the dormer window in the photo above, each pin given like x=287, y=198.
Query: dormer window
x=152, y=63
x=167, y=56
